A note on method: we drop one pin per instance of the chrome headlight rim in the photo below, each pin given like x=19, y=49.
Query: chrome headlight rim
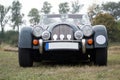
x=46, y=35
x=78, y=35
x=87, y=30
x=37, y=31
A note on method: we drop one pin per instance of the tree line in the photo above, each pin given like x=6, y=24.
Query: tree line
x=107, y=14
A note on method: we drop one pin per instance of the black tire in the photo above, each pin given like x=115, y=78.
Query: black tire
x=101, y=57
x=25, y=57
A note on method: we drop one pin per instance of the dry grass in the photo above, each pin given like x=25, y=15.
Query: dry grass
x=114, y=48
x=6, y=47
x=10, y=70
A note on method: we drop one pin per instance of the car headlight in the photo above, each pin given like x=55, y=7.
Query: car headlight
x=78, y=35
x=101, y=39
x=87, y=30
x=37, y=31
x=46, y=35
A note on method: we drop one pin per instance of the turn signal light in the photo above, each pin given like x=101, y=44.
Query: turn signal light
x=35, y=42
x=90, y=41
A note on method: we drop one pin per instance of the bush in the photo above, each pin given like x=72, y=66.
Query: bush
x=9, y=37
x=112, y=26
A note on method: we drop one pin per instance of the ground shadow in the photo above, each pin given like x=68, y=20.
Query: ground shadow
x=61, y=63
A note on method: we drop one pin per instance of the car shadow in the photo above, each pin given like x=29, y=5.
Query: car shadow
x=58, y=63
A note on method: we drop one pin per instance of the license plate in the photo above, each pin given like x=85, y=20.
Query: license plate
x=61, y=46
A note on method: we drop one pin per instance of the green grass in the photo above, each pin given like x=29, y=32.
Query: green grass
x=10, y=70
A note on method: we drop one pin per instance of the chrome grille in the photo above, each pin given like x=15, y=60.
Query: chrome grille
x=61, y=30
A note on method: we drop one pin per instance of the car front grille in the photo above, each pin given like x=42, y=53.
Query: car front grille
x=62, y=32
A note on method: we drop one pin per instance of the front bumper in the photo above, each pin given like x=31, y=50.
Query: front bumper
x=75, y=45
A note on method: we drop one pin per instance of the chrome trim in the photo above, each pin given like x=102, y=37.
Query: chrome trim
x=83, y=46
x=63, y=41
x=41, y=46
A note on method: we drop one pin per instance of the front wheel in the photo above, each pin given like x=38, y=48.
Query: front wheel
x=101, y=56
x=25, y=57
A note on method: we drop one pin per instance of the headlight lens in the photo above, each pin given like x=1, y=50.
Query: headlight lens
x=46, y=35
x=87, y=30
x=37, y=31
x=78, y=35
x=101, y=39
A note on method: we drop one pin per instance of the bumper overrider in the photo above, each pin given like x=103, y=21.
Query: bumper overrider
x=62, y=45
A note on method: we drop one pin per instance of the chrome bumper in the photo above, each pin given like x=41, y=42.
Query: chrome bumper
x=83, y=45
x=41, y=46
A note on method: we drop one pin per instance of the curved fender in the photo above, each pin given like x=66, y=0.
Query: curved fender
x=100, y=36
x=25, y=38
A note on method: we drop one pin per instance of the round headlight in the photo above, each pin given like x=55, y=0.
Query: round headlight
x=46, y=35
x=87, y=30
x=37, y=31
x=101, y=39
x=78, y=35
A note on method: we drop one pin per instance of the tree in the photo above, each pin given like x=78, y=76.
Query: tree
x=112, y=8
x=93, y=10
x=3, y=16
x=46, y=8
x=76, y=7
x=16, y=14
x=64, y=8
x=107, y=20
x=35, y=17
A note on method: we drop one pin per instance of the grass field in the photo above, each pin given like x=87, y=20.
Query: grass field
x=10, y=70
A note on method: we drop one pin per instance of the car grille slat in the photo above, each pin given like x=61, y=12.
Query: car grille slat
x=64, y=30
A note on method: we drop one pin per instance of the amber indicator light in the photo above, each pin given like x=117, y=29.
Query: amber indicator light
x=90, y=41
x=35, y=42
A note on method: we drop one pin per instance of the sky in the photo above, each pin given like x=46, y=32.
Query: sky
x=28, y=4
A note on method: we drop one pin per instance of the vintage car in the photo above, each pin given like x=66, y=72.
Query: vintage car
x=63, y=37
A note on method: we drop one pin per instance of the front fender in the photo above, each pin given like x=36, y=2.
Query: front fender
x=100, y=30
x=25, y=38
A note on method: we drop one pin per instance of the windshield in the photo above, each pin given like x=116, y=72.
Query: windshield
x=76, y=19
